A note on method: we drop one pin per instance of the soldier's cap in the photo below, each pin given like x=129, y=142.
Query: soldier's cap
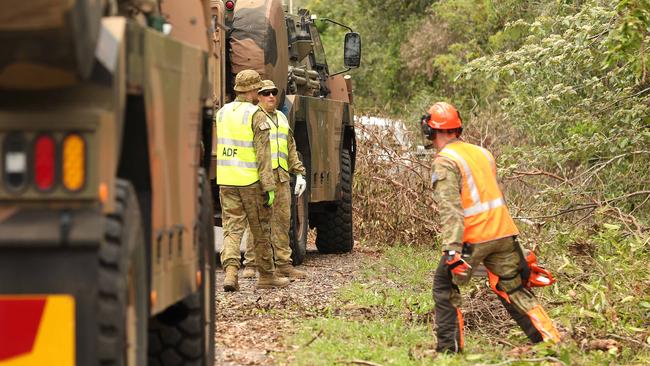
x=267, y=85
x=247, y=80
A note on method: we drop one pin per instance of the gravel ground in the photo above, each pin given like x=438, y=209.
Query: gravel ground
x=254, y=325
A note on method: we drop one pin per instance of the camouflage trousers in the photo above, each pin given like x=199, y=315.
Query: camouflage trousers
x=280, y=225
x=502, y=258
x=242, y=207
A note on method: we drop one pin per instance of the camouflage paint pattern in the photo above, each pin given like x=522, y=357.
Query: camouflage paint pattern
x=218, y=55
x=174, y=74
x=338, y=88
x=170, y=75
x=218, y=69
x=324, y=121
x=258, y=40
x=47, y=44
x=186, y=25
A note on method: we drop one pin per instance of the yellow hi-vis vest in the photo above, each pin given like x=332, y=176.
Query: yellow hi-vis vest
x=486, y=214
x=236, y=159
x=279, y=137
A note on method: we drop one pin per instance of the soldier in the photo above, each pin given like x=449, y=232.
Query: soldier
x=285, y=161
x=476, y=227
x=245, y=177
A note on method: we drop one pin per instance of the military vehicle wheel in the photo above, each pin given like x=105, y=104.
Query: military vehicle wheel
x=334, y=229
x=123, y=294
x=207, y=265
x=299, y=221
x=184, y=333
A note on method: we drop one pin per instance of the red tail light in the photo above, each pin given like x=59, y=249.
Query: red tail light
x=44, y=162
x=230, y=5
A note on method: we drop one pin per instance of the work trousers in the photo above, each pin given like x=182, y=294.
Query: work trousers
x=280, y=225
x=242, y=207
x=502, y=258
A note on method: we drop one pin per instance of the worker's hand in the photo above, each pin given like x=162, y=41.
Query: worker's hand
x=301, y=185
x=270, y=197
x=456, y=263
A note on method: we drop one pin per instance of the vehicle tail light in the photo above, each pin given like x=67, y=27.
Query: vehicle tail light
x=44, y=162
x=15, y=162
x=230, y=5
x=74, y=162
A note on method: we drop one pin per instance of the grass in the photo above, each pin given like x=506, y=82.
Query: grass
x=385, y=317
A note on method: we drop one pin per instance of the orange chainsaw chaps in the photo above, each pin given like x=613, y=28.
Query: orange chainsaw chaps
x=544, y=324
x=494, y=280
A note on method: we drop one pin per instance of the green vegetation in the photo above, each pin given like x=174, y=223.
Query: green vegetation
x=560, y=92
x=385, y=317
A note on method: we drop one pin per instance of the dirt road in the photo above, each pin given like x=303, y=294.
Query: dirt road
x=254, y=326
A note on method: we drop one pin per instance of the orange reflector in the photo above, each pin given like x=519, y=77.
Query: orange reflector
x=103, y=192
x=153, y=298
x=74, y=162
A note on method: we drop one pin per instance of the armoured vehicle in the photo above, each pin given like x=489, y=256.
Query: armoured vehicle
x=105, y=208
x=286, y=48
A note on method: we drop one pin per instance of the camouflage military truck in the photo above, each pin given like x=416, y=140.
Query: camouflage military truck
x=105, y=208
x=286, y=48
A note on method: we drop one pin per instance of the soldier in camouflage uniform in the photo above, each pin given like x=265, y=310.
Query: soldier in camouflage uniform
x=280, y=224
x=246, y=183
x=476, y=227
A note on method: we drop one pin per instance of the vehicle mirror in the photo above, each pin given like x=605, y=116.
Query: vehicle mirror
x=352, y=50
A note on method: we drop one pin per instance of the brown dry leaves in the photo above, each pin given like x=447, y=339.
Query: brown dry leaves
x=393, y=201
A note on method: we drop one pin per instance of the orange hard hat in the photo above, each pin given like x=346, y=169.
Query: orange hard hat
x=443, y=116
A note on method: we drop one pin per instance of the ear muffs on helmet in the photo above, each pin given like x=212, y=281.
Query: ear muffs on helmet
x=427, y=131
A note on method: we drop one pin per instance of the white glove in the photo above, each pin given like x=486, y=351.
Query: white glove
x=301, y=184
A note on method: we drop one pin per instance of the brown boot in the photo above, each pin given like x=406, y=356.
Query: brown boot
x=230, y=281
x=249, y=272
x=271, y=280
x=289, y=271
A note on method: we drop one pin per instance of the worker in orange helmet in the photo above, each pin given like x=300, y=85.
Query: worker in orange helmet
x=475, y=227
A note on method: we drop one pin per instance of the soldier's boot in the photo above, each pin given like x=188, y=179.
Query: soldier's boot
x=271, y=280
x=289, y=271
x=249, y=272
x=230, y=282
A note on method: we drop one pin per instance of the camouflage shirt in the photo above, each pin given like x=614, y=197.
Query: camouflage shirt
x=447, y=183
x=262, y=144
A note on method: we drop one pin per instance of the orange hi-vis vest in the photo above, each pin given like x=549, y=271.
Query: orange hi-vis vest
x=486, y=214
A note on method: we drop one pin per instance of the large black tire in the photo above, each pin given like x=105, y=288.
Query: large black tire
x=334, y=228
x=299, y=221
x=122, y=312
x=184, y=333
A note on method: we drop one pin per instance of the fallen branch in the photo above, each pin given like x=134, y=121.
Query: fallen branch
x=563, y=212
x=362, y=362
x=535, y=172
x=532, y=360
x=642, y=344
x=313, y=339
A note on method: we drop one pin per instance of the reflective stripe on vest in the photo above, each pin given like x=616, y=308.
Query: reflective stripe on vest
x=236, y=159
x=279, y=137
x=486, y=215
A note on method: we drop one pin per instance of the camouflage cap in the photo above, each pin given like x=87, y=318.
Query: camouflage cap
x=247, y=80
x=268, y=85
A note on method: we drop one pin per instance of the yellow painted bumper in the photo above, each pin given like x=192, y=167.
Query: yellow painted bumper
x=37, y=330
